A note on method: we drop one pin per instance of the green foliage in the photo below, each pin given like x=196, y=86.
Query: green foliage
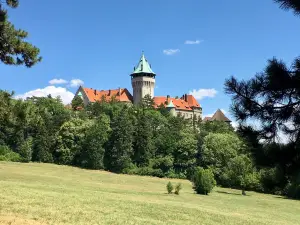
x=120, y=147
x=147, y=102
x=69, y=140
x=77, y=103
x=292, y=190
x=165, y=164
x=217, y=127
x=178, y=188
x=218, y=149
x=143, y=140
x=185, y=151
x=272, y=180
x=7, y=154
x=144, y=171
x=93, y=146
x=170, y=187
x=238, y=173
x=25, y=150
x=14, y=49
x=203, y=181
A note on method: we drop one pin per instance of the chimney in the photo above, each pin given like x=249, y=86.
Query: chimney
x=168, y=98
x=185, y=97
x=119, y=91
x=109, y=92
x=95, y=92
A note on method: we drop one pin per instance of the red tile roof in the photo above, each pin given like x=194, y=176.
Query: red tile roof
x=121, y=94
x=186, y=102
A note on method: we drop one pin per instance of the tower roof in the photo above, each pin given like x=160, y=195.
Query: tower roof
x=219, y=116
x=171, y=105
x=143, y=66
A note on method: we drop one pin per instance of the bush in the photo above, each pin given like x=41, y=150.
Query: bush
x=178, y=187
x=25, y=150
x=170, y=187
x=6, y=154
x=203, y=181
x=145, y=171
x=272, y=180
x=292, y=190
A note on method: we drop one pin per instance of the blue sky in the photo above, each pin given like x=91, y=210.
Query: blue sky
x=100, y=42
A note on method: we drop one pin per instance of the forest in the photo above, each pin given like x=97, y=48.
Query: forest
x=142, y=140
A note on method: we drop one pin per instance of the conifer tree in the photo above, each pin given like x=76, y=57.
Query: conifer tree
x=290, y=4
x=14, y=50
x=143, y=142
x=92, y=152
x=120, y=147
x=77, y=103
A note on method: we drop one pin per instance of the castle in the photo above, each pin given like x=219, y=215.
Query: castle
x=143, y=83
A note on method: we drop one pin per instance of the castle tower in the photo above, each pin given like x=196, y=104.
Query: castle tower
x=142, y=80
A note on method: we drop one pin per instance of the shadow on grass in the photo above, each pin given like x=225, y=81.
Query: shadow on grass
x=230, y=193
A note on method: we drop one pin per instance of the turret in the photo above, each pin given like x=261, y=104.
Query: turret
x=142, y=80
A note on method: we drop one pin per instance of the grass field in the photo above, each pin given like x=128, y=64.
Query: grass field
x=50, y=194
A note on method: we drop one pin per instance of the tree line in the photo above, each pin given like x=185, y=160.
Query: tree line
x=141, y=140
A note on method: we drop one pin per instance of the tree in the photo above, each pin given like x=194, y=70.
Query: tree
x=203, y=181
x=120, y=146
x=217, y=150
x=69, y=140
x=92, y=150
x=147, y=102
x=77, y=103
x=143, y=141
x=290, y=4
x=236, y=172
x=13, y=49
x=185, y=151
x=271, y=97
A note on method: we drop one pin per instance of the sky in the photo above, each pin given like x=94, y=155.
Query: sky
x=192, y=45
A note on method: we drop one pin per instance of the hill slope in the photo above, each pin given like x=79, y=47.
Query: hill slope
x=50, y=194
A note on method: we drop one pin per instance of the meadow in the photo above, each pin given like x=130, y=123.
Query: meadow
x=50, y=194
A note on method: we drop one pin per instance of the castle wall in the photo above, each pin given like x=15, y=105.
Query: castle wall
x=142, y=86
x=189, y=114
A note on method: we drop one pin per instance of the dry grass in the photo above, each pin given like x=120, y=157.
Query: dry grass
x=50, y=194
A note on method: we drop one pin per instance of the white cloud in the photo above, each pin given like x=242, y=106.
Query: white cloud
x=65, y=95
x=171, y=51
x=57, y=81
x=203, y=93
x=76, y=83
x=189, y=42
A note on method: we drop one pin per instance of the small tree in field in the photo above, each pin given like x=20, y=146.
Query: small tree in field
x=237, y=171
x=170, y=187
x=178, y=187
x=203, y=181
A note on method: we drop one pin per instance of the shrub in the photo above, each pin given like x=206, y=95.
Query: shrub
x=6, y=154
x=170, y=187
x=292, y=190
x=272, y=179
x=25, y=150
x=203, y=181
x=145, y=171
x=178, y=187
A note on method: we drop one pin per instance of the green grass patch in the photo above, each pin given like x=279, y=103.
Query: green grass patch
x=50, y=194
